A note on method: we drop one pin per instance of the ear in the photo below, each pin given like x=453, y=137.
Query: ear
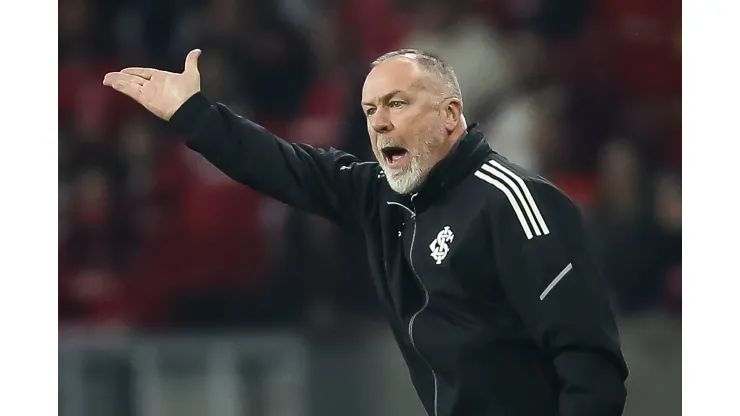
x=453, y=114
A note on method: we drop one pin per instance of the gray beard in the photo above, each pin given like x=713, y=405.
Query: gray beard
x=408, y=180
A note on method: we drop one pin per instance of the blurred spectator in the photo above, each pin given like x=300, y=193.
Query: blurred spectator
x=213, y=241
x=93, y=254
x=669, y=247
x=77, y=30
x=221, y=78
x=137, y=149
x=319, y=118
x=632, y=243
x=472, y=47
x=523, y=124
x=279, y=66
x=374, y=27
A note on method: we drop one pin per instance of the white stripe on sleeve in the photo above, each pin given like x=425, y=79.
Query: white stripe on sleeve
x=525, y=190
x=557, y=279
x=498, y=184
x=518, y=194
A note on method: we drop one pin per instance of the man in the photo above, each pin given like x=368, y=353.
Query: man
x=481, y=267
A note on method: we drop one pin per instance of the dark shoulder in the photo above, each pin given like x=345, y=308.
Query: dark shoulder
x=515, y=192
x=498, y=177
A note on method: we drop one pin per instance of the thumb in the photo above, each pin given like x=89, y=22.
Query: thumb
x=191, y=61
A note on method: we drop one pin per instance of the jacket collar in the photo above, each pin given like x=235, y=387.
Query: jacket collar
x=464, y=157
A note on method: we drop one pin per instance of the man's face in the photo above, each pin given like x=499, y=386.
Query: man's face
x=405, y=121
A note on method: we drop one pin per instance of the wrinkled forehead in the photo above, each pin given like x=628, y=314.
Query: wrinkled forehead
x=396, y=74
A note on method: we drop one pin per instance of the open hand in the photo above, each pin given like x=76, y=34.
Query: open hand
x=160, y=92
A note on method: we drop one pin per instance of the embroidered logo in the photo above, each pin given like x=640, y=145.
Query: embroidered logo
x=440, y=246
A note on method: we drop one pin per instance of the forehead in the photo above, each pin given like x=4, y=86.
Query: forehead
x=395, y=74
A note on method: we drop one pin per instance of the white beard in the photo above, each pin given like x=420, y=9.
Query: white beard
x=405, y=181
x=408, y=180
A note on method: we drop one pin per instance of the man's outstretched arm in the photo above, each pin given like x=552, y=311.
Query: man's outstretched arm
x=325, y=182
x=329, y=183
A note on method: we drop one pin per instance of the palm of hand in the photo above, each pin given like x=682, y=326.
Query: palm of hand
x=160, y=92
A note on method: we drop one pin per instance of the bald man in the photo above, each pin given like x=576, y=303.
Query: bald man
x=481, y=267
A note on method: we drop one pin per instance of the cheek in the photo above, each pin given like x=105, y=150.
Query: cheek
x=427, y=125
x=371, y=134
x=408, y=123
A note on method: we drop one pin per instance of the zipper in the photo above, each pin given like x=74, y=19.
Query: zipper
x=424, y=306
x=413, y=214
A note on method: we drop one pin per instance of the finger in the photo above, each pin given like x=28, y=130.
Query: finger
x=113, y=77
x=129, y=88
x=191, y=61
x=145, y=73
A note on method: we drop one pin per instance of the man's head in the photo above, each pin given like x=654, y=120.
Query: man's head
x=413, y=106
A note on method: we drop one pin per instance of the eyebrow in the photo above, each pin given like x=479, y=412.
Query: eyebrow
x=383, y=98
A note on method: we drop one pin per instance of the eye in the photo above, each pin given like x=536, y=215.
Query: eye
x=369, y=111
x=395, y=103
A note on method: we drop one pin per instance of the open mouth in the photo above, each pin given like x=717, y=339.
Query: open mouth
x=394, y=155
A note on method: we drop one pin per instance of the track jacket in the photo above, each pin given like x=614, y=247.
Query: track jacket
x=484, y=275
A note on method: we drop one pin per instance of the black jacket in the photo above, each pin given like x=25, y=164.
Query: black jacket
x=484, y=274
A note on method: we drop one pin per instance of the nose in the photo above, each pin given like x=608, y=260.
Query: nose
x=381, y=122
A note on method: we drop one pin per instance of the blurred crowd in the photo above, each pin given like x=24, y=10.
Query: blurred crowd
x=585, y=92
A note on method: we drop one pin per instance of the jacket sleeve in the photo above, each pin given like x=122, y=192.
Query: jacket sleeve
x=329, y=183
x=555, y=286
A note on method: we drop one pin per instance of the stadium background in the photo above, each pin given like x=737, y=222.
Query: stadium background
x=182, y=293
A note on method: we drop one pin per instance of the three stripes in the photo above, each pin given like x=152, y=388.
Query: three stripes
x=518, y=194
